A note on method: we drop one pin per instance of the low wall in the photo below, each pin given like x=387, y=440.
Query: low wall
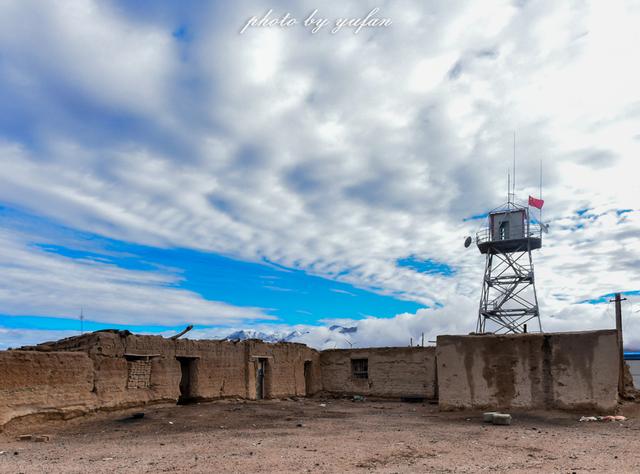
x=36, y=382
x=392, y=372
x=556, y=370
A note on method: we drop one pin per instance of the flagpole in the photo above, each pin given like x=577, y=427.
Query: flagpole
x=541, y=196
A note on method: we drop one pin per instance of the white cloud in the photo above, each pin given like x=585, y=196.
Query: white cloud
x=88, y=47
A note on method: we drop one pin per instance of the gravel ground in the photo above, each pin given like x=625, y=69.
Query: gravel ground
x=305, y=436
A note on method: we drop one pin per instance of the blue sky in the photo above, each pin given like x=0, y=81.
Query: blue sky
x=292, y=296
x=159, y=168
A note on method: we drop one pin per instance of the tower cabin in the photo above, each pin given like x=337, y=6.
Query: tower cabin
x=509, y=230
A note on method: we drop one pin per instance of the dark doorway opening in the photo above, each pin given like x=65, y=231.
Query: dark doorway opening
x=504, y=230
x=308, y=380
x=261, y=385
x=187, y=371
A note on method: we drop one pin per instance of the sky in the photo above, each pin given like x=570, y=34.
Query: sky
x=163, y=167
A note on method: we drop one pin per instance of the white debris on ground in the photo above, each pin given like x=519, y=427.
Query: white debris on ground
x=496, y=418
x=603, y=418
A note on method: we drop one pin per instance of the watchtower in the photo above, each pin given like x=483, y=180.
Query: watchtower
x=508, y=301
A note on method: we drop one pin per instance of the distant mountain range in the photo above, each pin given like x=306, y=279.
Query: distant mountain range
x=344, y=330
x=274, y=336
x=278, y=336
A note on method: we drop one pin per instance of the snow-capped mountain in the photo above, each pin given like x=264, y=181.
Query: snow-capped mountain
x=338, y=336
x=344, y=330
x=275, y=336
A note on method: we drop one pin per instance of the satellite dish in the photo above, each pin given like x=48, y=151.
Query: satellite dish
x=467, y=242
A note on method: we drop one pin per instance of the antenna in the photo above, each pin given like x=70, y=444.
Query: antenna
x=508, y=186
x=514, y=165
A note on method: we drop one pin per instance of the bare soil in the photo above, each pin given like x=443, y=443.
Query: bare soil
x=304, y=436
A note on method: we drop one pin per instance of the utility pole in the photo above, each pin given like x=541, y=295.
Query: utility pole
x=618, y=301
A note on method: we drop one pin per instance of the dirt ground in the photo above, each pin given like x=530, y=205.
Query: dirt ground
x=305, y=436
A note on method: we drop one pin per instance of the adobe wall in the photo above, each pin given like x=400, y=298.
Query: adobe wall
x=576, y=370
x=220, y=368
x=115, y=369
x=392, y=372
x=285, y=369
x=33, y=382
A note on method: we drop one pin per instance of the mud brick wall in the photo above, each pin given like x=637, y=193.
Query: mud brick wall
x=285, y=374
x=116, y=369
x=131, y=370
x=577, y=371
x=219, y=368
x=35, y=382
x=139, y=375
x=392, y=372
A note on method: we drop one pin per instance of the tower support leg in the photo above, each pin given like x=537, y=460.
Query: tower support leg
x=508, y=300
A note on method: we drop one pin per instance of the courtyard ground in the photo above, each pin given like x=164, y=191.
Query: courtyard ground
x=305, y=436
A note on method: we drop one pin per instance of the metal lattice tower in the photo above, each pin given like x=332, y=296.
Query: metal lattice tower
x=508, y=300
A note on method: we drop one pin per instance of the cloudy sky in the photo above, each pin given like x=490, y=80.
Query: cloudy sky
x=159, y=168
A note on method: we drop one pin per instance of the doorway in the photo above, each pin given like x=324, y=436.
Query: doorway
x=261, y=385
x=308, y=381
x=187, y=371
x=504, y=230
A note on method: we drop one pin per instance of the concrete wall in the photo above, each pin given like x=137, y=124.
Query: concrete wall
x=558, y=370
x=33, y=382
x=393, y=371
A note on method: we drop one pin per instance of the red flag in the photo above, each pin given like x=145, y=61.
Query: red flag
x=537, y=203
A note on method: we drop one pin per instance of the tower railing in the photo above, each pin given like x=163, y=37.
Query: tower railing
x=515, y=232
